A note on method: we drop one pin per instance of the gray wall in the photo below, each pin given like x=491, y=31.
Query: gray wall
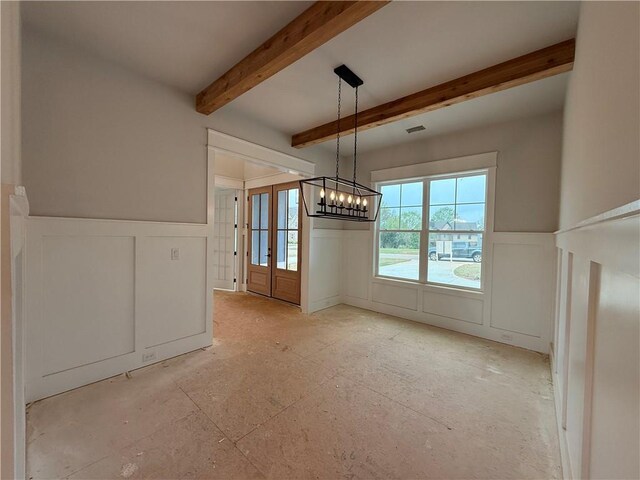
x=102, y=142
x=528, y=173
x=601, y=151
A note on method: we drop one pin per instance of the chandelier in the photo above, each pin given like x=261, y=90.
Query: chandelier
x=336, y=197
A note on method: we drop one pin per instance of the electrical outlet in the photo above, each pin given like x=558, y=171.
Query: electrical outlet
x=175, y=254
x=148, y=357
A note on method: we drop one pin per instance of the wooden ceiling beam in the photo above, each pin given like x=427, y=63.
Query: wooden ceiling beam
x=314, y=27
x=533, y=66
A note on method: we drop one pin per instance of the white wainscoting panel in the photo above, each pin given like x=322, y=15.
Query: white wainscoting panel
x=597, y=357
x=453, y=306
x=356, y=264
x=403, y=296
x=173, y=293
x=522, y=263
x=88, y=292
x=577, y=359
x=520, y=287
x=105, y=297
x=615, y=424
x=325, y=268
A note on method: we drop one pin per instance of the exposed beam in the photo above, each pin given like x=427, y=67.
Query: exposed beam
x=315, y=26
x=517, y=71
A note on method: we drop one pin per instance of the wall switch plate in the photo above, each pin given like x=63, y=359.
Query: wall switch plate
x=148, y=357
x=175, y=254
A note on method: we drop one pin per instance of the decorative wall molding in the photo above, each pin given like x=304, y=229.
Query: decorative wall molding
x=18, y=212
x=596, y=362
x=108, y=296
x=325, y=248
x=471, y=312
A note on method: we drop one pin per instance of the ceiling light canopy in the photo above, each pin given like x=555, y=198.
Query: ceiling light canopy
x=336, y=197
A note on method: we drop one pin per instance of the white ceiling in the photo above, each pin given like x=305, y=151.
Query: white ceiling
x=402, y=48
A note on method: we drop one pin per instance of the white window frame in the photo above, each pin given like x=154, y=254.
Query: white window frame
x=449, y=168
x=379, y=231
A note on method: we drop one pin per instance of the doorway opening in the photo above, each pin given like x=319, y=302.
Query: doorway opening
x=258, y=227
x=274, y=241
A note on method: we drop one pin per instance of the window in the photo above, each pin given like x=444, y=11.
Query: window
x=260, y=229
x=446, y=247
x=288, y=229
x=400, y=226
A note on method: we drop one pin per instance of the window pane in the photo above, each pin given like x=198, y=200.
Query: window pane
x=470, y=217
x=282, y=249
x=389, y=218
x=391, y=195
x=255, y=247
x=263, y=248
x=412, y=194
x=255, y=211
x=471, y=189
x=293, y=209
x=442, y=191
x=411, y=218
x=282, y=209
x=454, y=261
x=264, y=211
x=399, y=255
x=292, y=254
x=441, y=217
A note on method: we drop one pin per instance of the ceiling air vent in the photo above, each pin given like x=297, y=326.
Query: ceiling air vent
x=415, y=129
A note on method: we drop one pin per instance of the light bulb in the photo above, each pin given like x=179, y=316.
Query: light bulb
x=332, y=195
x=364, y=202
x=357, y=200
x=350, y=199
x=322, y=193
x=341, y=198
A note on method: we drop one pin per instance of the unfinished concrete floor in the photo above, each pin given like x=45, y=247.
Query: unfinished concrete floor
x=341, y=394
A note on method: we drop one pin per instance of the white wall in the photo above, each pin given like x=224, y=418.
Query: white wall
x=597, y=348
x=103, y=142
x=106, y=296
x=528, y=173
x=601, y=148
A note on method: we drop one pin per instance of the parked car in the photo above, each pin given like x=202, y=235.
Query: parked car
x=472, y=250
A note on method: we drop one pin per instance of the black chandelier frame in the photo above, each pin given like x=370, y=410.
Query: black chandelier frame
x=340, y=198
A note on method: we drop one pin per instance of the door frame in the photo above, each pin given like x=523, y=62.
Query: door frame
x=222, y=143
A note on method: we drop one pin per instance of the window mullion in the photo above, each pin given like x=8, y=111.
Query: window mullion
x=424, y=235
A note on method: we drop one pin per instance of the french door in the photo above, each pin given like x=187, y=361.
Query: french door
x=273, y=266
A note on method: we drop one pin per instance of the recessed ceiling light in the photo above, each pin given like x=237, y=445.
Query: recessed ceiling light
x=417, y=128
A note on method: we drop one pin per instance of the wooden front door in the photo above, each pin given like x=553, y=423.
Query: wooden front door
x=285, y=276
x=259, y=242
x=275, y=226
